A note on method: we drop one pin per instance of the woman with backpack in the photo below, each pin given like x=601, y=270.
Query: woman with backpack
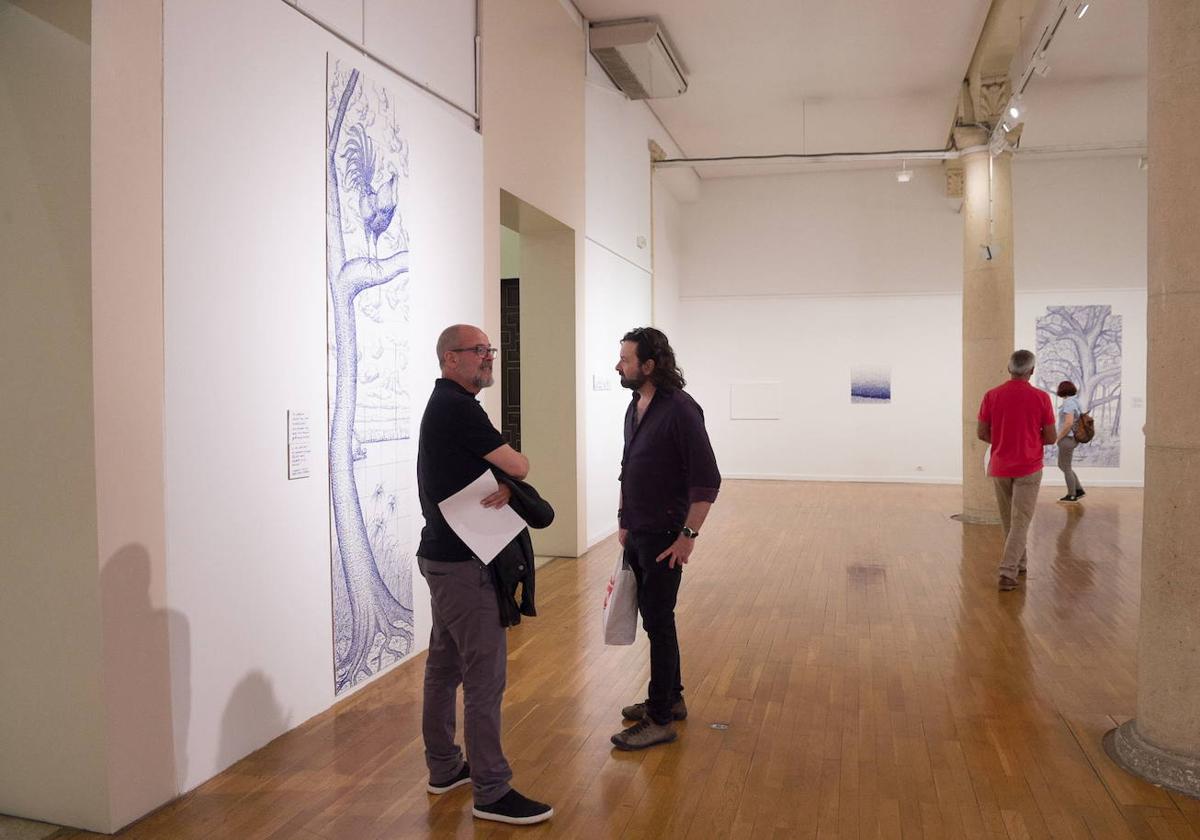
x=1068, y=413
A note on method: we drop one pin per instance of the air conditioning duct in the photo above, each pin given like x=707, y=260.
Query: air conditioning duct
x=636, y=57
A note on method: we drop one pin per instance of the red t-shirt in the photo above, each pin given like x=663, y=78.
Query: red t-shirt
x=1016, y=411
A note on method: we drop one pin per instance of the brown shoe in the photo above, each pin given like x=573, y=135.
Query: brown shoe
x=1007, y=584
x=638, y=710
x=644, y=733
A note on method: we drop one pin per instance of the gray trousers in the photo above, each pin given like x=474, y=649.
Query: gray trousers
x=1066, y=451
x=1017, y=499
x=466, y=645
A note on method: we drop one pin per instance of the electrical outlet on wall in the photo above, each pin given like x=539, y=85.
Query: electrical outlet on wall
x=920, y=468
x=601, y=383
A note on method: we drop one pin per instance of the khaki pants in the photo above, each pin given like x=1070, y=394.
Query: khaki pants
x=1016, y=498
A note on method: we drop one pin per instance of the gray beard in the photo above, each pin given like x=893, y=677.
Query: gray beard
x=484, y=380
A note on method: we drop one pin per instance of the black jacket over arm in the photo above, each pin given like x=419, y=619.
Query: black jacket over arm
x=513, y=566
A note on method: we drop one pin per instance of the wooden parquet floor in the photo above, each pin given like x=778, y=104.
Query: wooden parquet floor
x=875, y=682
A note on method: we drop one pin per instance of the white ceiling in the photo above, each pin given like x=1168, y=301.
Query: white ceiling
x=819, y=76
x=1109, y=42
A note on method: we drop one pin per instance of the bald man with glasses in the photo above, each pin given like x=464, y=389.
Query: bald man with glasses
x=467, y=644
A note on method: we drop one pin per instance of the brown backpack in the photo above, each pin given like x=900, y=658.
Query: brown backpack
x=1084, y=429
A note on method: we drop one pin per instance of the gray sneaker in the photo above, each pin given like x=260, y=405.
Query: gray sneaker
x=638, y=711
x=644, y=733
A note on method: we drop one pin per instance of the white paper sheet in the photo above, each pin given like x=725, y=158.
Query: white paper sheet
x=486, y=531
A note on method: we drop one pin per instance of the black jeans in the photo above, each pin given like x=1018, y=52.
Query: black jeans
x=657, y=588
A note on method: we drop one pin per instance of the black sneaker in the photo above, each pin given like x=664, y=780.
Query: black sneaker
x=1069, y=498
x=462, y=778
x=638, y=710
x=514, y=809
x=1080, y=494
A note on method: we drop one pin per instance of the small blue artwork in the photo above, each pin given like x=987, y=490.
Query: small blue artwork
x=871, y=384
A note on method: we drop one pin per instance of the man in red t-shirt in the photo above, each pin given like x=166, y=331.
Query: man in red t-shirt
x=1017, y=419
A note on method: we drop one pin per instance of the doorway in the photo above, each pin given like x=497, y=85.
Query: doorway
x=510, y=361
x=539, y=388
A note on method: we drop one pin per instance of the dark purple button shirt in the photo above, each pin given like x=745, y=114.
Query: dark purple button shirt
x=668, y=463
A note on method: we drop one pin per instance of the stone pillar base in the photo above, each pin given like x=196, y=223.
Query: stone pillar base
x=977, y=518
x=1136, y=755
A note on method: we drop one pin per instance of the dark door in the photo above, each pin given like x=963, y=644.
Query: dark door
x=510, y=361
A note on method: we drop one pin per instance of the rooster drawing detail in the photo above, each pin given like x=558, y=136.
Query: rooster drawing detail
x=376, y=205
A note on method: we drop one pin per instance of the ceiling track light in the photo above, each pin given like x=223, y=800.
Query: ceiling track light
x=904, y=174
x=1082, y=9
x=1015, y=111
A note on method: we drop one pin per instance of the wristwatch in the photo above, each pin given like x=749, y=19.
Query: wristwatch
x=690, y=533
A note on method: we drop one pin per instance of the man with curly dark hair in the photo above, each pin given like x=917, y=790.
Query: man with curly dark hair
x=669, y=480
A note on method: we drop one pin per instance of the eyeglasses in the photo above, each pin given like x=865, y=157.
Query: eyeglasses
x=481, y=350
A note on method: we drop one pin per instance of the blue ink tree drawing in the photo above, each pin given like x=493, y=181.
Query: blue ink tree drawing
x=369, y=405
x=1083, y=344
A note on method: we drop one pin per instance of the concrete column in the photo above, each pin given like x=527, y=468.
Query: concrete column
x=987, y=305
x=1162, y=744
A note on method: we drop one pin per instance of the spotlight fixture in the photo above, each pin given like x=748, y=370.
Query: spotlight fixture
x=1041, y=66
x=904, y=174
x=1143, y=163
x=1016, y=110
x=1081, y=9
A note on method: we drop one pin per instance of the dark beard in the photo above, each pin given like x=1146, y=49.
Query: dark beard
x=632, y=384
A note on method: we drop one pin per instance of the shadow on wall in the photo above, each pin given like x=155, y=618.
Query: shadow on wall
x=148, y=653
x=252, y=717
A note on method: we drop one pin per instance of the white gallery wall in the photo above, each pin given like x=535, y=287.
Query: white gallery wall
x=614, y=306
x=828, y=233
x=1080, y=230
x=668, y=249
x=1079, y=223
x=622, y=256
x=248, y=578
x=789, y=281
x=799, y=350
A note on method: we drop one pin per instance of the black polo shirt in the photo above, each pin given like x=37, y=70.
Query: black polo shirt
x=668, y=463
x=455, y=435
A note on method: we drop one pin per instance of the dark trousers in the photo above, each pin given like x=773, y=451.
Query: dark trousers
x=1066, y=451
x=466, y=645
x=657, y=589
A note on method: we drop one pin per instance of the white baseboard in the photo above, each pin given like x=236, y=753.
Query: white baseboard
x=865, y=479
x=894, y=479
x=595, y=539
